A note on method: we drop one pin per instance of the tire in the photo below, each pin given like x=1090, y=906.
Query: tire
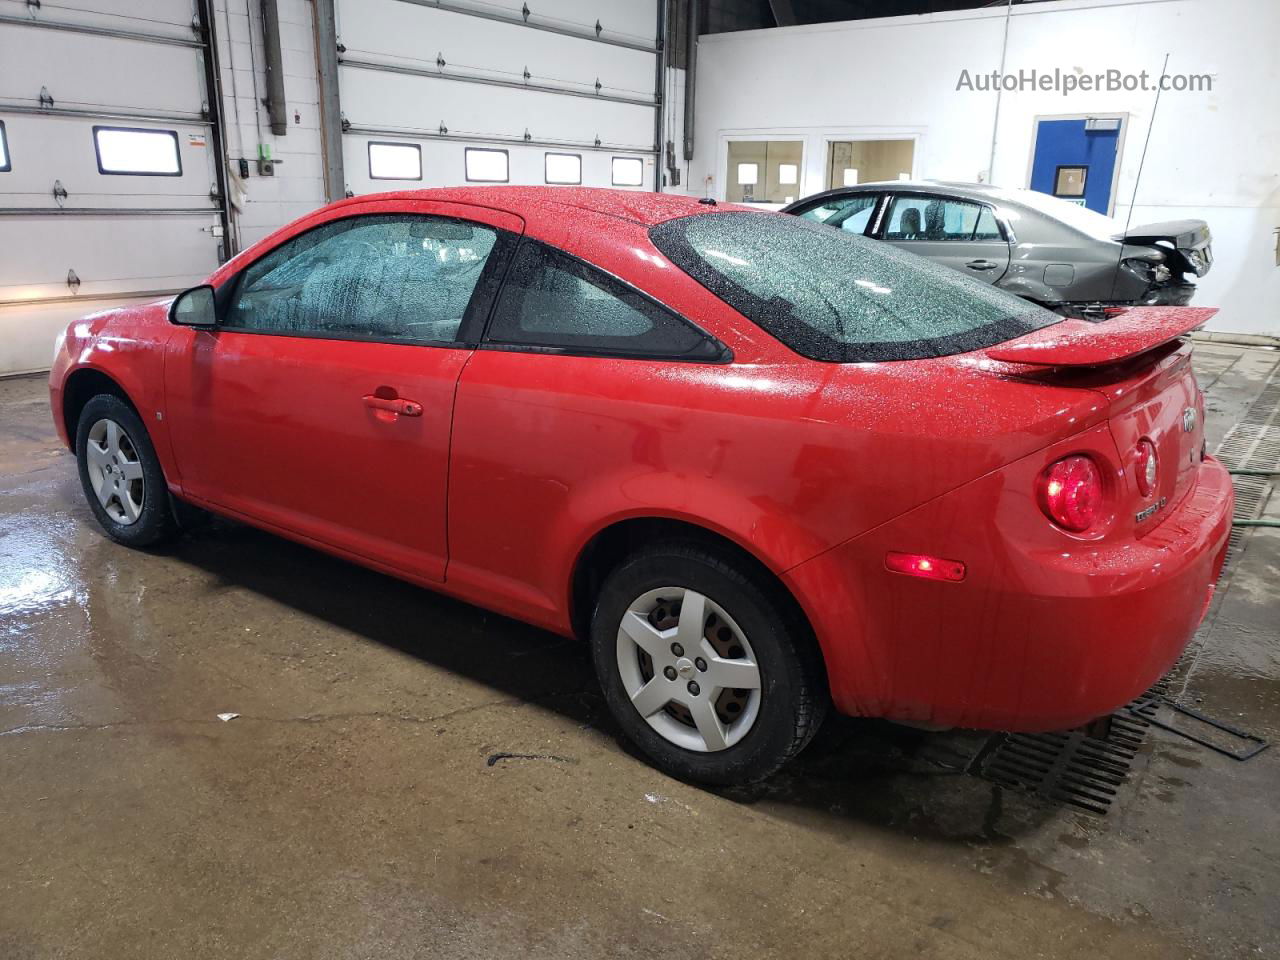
x=745, y=621
x=114, y=453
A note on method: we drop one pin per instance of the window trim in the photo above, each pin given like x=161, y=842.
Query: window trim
x=474, y=320
x=891, y=195
x=613, y=174
x=97, y=151
x=561, y=183
x=467, y=173
x=370, y=144
x=1084, y=182
x=7, y=166
x=725, y=355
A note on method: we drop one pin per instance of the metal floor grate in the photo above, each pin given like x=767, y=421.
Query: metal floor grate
x=1069, y=767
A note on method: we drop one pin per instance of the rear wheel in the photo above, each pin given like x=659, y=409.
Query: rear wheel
x=704, y=666
x=121, y=475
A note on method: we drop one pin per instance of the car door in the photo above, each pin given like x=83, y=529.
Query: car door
x=322, y=403
x=564, y=401
x=962, y=234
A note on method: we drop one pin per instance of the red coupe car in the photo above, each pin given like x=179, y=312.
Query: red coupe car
x=764, y=465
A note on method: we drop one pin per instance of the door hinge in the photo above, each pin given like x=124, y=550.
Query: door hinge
x=59, y=193
x=73, y=282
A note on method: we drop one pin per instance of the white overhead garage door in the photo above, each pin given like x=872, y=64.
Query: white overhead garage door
x=107, y=169
x=548, y=91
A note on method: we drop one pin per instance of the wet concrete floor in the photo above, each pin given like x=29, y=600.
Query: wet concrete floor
x=412, y=777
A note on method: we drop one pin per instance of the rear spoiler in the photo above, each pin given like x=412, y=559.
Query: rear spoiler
x=1079, y=343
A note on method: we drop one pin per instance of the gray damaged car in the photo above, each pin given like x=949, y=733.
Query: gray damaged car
x=1060, y=255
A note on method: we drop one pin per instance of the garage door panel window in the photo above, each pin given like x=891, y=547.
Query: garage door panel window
x=937, y=218
x=395, y=161
x=131, y=151
x=5, y=165
x=487, y=166
x=628, y=172
x=386, y=277
x=555, y=301
x=564, y=168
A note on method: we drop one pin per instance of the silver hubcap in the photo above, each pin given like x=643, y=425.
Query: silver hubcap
x=115, y=471
x=688, y=669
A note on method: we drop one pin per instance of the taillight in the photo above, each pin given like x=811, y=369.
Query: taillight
x=1147, y=467
x=1071, y=492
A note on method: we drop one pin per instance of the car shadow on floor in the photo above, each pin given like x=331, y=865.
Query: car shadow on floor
x=870, y=771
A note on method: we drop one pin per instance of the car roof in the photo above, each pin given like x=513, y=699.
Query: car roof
x=644, y=208
x=955, y=187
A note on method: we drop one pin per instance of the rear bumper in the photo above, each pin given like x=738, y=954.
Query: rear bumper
x=1034, y=638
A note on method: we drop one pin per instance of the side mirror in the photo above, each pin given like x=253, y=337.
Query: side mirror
x=195, y=308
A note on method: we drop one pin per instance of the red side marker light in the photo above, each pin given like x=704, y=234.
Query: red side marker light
x=923, y=565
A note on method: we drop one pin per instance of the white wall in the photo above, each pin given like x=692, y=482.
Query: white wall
x=1215, y=156
x=298, y=185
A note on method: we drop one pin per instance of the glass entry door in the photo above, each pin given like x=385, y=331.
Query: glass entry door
x=850, y=162
x=763, y=171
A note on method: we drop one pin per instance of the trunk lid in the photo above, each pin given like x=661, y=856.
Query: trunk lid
x=1138, y=364
x=1190, y=239
x=1162, y=404
x=1182, y=233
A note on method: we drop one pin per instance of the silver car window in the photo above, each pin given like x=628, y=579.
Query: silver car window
x=915, y=217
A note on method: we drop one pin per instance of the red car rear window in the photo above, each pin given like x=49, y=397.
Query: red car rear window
x=830, y=295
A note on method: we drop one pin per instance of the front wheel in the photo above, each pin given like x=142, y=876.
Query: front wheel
x=704, y=666
x=121, y=475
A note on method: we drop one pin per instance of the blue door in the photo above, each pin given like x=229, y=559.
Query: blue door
x=1075, y=160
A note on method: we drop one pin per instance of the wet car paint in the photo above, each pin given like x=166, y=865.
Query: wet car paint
x=793, y=460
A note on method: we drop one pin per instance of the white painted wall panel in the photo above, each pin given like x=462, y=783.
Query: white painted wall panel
x=297, y=188
x=45, y=149
x=374, y=99
x=170, y=18
x=634, y=20
x=383, y=105
x=397, y=32
x=110, y=254
x=91, y=71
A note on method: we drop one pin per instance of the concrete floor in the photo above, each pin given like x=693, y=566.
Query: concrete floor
x=366, y=802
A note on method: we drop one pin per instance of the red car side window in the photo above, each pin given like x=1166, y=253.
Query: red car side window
x=382, y=277
x=552, y=300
